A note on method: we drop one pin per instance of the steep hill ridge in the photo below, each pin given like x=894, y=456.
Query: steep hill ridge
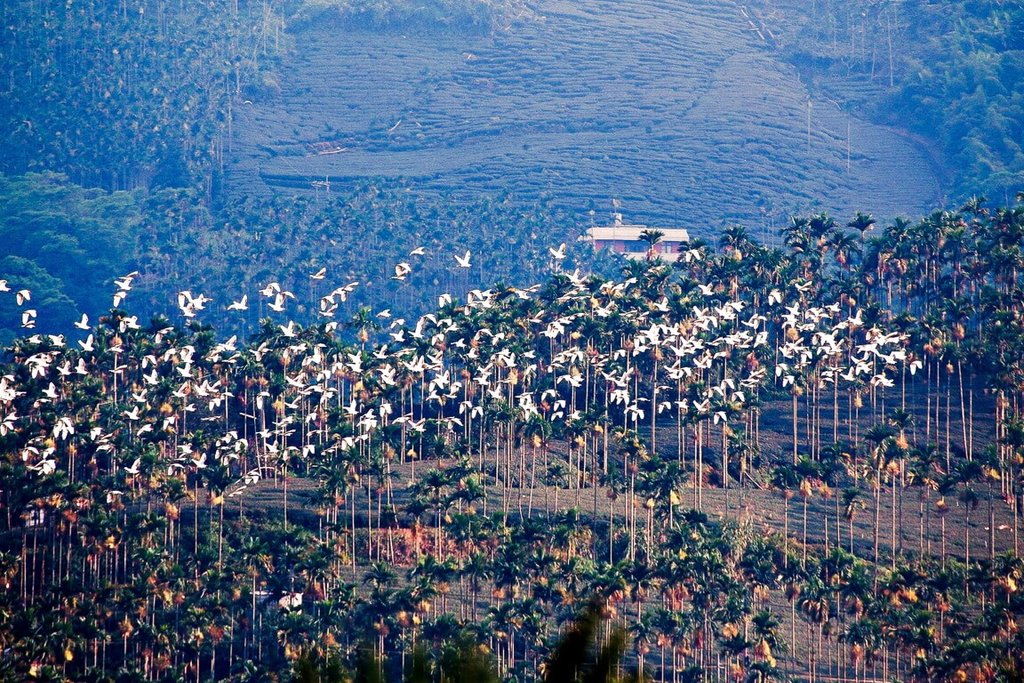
x=679, y=109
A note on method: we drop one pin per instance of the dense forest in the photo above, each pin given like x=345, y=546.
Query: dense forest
x=361, y=434
x=180, y=504
x=970, y=99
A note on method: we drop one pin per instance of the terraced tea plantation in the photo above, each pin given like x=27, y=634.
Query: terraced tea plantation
x=681, y=110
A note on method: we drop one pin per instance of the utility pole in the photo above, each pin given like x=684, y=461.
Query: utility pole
x=888, y=32
x=808, y=123
x=847, y=143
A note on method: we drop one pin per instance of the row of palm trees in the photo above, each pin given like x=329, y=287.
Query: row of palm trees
x=489, y=466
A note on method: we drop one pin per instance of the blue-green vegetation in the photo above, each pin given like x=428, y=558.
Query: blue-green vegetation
x=797, y=452
x=763, y=463
x=964, y=88
x=65, y=244
x=951, y=73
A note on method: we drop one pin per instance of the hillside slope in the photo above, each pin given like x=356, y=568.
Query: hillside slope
x=672, y=107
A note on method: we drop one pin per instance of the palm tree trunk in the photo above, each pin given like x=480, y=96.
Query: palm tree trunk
x=878, y=511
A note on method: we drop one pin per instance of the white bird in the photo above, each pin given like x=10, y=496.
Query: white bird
x=290, y=601
x=47, y=467
x=22, y=296
x=278, y=305
x=189, y=304
x=129, y=323
x=882, y=381
x=418, y=251
x=4, y=287
x=200, y=302
x=558, y=254
x=343, y=292
x=83, y=324
x=401, y=270
x=463, y=261
x=692, y=255
x=28, y=319
x=125, y=283
x=240, y=305
x=319, y=275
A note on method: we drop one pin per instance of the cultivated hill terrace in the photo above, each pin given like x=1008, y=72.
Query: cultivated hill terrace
x=672, y=107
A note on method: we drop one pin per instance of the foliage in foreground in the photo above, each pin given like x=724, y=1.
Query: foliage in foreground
x=582, y=655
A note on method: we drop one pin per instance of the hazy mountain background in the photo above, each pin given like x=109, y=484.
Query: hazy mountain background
x=223, y=144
